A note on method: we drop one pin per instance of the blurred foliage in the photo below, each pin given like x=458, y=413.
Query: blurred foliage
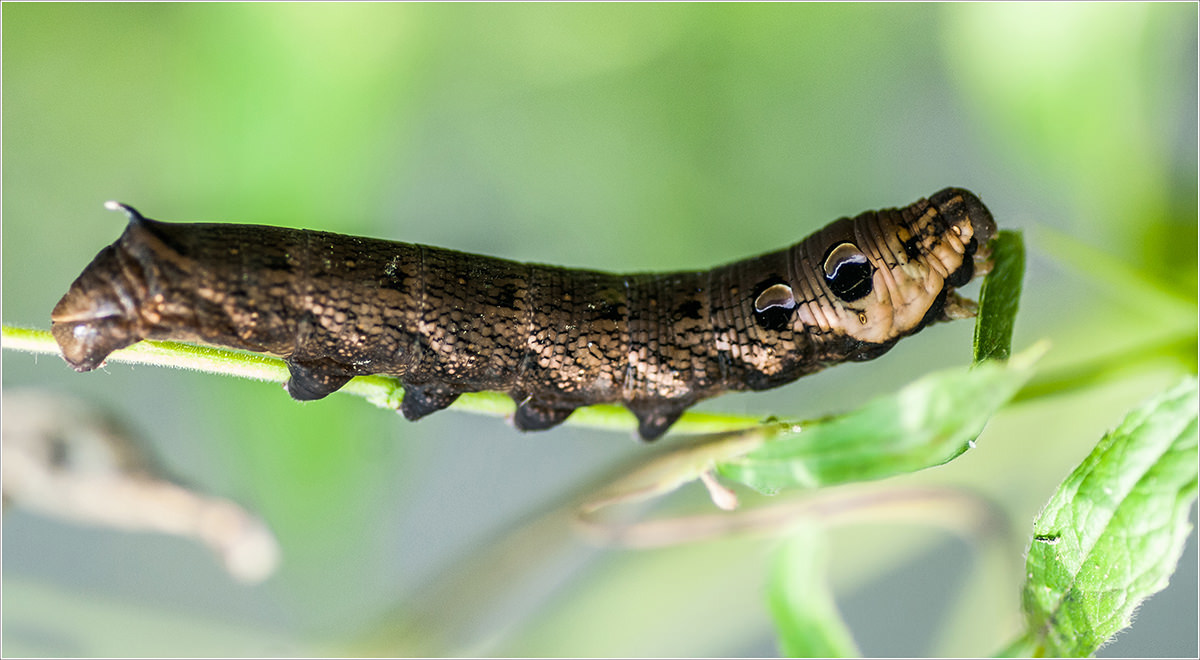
x=623, y=137
x=801, y=602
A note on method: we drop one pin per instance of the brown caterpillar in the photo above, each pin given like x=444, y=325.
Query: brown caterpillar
x=444, y=322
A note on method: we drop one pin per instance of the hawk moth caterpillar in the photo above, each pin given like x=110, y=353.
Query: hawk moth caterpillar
x=445, y=322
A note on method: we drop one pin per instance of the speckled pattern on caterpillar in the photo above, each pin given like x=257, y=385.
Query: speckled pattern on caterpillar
x=444, y=322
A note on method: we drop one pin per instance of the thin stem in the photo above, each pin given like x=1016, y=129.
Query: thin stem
x=383, y=391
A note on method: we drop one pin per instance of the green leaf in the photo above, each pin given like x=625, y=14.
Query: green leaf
x=1111, y=535
x=927, y=423
x=999, y=297
x=801, y=603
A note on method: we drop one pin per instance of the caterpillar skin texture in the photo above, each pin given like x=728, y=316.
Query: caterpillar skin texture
x=444, y=322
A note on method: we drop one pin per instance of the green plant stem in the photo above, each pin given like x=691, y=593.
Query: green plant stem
x=383, y=391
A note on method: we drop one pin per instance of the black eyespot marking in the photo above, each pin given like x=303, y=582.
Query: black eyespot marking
x=847, y=272
x=776, y=295
x=774, y=303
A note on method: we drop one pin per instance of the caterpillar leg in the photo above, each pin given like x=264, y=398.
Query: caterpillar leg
x=655, y=417
x=315, y=379
x=958, y=307
x=532, y=415
x=420, y=400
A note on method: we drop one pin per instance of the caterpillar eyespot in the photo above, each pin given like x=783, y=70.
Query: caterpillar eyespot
x=776, y=295
x=444, y=322
x=848, y=272
x=774, y=303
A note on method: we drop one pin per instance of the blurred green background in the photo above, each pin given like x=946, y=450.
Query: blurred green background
x=620, y=137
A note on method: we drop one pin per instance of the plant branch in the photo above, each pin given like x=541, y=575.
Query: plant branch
x=383, y=391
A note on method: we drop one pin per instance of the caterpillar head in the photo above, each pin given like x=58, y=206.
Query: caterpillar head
x=884, y=275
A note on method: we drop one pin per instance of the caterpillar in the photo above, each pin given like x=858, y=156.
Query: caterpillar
x=445, y=322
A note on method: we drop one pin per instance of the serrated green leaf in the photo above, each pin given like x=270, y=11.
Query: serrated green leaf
x=1112, y=533
x=999, y=298
x=927, y=423
x=801, y=603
